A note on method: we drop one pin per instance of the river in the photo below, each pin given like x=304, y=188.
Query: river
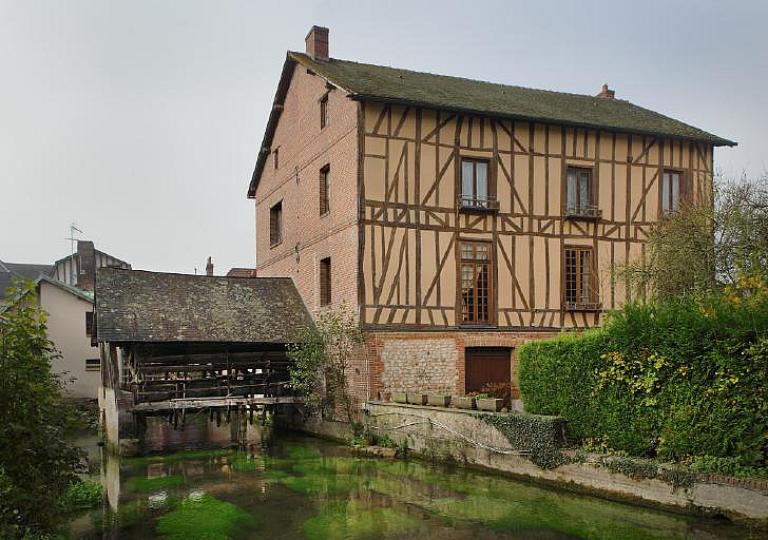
x=295, y=487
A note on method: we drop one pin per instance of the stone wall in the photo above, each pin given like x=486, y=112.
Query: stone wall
x=455, y=435
x=430, y=361
x=422, y=365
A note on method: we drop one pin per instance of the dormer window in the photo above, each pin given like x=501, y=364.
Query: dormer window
x=476, y=192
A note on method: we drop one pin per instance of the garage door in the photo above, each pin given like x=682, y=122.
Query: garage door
x=486, y=365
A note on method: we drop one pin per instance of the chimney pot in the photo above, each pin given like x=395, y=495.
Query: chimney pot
x=209, y=267
x=317, y=43
x=606, y=92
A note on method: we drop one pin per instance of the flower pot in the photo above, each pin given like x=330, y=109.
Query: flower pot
x=490, y=404
x=399, y=397
x=464, y=402
x=438, y=400
x=416, y=398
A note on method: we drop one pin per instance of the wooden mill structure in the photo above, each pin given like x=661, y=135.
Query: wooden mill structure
x=174, y=343
x=460, y=217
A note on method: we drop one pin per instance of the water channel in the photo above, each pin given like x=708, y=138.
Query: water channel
x=294, y=487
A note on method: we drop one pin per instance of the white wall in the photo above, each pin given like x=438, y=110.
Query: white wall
x=66, y=328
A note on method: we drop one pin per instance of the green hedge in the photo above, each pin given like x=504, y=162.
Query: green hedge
x=683, y=378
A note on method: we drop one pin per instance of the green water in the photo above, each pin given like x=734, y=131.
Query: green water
x=302, y=487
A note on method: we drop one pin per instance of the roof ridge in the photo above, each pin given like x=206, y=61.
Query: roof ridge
x=458, y=77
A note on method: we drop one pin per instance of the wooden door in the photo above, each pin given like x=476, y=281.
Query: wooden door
x=484, y=365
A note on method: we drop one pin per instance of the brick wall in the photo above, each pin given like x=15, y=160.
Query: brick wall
x=430, y=361
x=305, y=148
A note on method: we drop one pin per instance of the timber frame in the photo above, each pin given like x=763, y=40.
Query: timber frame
x=411, y=226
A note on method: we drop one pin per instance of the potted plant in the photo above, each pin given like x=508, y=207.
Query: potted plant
x=486, y=403
x=464, y=402
x=399, y=397
x=439, y=400
x=416, y=398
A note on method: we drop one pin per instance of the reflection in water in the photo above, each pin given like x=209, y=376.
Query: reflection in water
x=300, y=487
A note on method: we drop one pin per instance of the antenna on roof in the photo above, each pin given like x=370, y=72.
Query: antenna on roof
x=72, y=230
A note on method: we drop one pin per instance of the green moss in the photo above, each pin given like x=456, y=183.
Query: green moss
x=205, y=518
x=154, y=484
x=350, y=519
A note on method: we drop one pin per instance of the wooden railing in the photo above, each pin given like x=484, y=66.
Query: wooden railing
x=486, y=204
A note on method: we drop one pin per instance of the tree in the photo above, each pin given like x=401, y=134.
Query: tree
x=322, y=357
x=37, y=462
x=705, y=248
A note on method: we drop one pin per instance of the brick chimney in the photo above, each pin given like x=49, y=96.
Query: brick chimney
x=317, y=43
x=209, y=267
x=606, y=92
x=86, y=266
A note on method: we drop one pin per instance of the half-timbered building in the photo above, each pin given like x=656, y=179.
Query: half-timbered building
x=459, y=217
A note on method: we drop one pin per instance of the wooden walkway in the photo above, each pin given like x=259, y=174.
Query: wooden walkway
x=204, y=403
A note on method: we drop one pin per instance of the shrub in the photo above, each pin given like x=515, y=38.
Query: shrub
x=680, y=378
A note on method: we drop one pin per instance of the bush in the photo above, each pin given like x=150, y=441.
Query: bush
x=83, y=494
x=675, y=379
x=38, y=463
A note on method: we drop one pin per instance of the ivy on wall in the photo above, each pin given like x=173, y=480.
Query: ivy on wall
x=540, y=437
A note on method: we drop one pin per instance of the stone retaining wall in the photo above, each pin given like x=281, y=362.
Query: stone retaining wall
x=457, y=435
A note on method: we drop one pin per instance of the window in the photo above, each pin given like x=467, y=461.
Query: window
x=325, y=281
x=476, y=276
x=475, y=186
x=276, y=224
x=579, y=198
x=276, y=157
x=325, y=189
x=89, y=323
x=672, y=191
x=324, y=111
x=580, y=282
x=92, y=364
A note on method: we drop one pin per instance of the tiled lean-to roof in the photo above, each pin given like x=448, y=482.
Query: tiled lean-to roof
x=387, y=84
x=139, y=306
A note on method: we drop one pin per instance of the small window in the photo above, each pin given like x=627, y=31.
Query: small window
x=276, y=224
x=476, y=186
x=324, y=111
x=325, y=281
x=476, y=277
x=579, y=193
x=325, y=189
x=580, y=279
x=92, y=364
x=276, y=158
x=672, y=191
x=89, y=323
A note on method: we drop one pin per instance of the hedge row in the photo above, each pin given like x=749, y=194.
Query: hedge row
x=683, y=378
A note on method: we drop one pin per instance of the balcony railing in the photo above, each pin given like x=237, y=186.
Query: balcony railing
x=483, y=204
x=588, y=211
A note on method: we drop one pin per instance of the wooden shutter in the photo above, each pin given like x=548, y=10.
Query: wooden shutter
x=324, y=189
x=276, y=224
x=325, y=282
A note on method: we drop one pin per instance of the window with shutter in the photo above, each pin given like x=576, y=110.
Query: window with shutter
x=324, y=111
x=325, y=281
x=276, y=224
x=325, y=189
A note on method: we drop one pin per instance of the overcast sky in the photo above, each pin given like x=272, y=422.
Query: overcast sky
x=140, y=120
